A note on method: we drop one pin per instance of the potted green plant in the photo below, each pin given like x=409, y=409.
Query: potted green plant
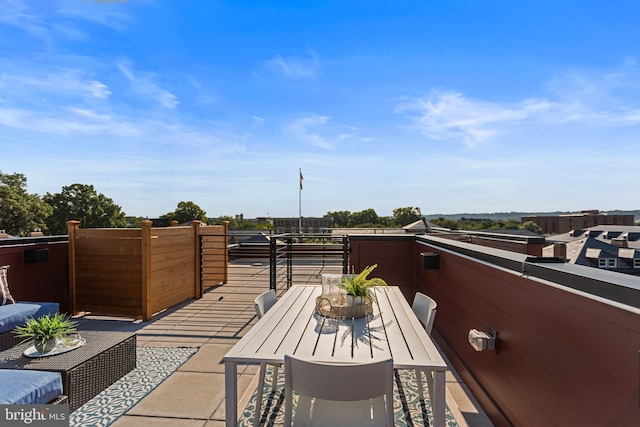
x=357, y=285
x=45, y=331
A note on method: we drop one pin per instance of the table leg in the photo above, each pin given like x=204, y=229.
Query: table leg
x=438, y=403
x=231, y=393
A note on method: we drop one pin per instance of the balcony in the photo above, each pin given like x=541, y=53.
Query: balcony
x=568, y=336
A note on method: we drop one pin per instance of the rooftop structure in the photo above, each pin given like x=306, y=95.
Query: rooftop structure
x=558, y=224
x=610, y=247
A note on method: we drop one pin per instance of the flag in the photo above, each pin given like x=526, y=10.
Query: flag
x=301, y=178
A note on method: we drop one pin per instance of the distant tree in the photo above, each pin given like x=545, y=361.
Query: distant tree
x=387, y=222
x=187, y=212
x=531, y=226
x=81, y=202
x=20, y=212
x=135, y=222
x=233, y=224
x=367, y=216
x=340, y=218
x=512, y=224
x=244, y=224
x=451, y=224
x=408, y=215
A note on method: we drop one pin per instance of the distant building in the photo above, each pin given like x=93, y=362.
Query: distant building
x=309, y=225
x=558, y=224
x=609, y=247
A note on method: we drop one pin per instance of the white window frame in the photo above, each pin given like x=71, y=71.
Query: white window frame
x=636, y=263
x=607, y=263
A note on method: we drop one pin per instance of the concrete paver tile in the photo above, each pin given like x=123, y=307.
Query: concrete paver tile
x=136, y=421
x=207, y=359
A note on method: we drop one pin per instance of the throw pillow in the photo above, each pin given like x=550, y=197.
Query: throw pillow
x=4, y=287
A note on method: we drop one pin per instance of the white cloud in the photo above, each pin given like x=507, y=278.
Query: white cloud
x=144, y=84
x=320, y=131
x=295, y=67
x=605, y=99
x=205, y=95
x=112, y=16
x=64, y=82
x=448, y=115
x=306, y=129
x=16, y=13
x=76, y=121
x=258, y=121
x=44, y=23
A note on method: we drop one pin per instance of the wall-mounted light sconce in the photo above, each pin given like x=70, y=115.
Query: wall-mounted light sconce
x=430, y=260
x=35, y=255
x=480, y=340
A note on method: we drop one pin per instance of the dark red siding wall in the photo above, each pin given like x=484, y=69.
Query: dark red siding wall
x=40, y=281
x=564, y=359
x=394, y=258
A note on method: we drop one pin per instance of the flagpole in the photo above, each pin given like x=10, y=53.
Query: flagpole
x=300, y=203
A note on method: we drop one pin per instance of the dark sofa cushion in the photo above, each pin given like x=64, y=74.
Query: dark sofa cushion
x=29, y=387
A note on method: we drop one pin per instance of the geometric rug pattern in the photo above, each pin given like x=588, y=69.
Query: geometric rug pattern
x=409, y=410
x=153, y=366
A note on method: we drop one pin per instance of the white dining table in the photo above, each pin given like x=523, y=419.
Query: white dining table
x=292, y=327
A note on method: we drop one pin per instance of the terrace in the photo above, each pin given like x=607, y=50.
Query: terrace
x=568, y=336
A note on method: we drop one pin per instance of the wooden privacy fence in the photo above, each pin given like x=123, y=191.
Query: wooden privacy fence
x=141, y=271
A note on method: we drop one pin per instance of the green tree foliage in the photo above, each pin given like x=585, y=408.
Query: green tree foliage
x=367, y=216
x=408, y=215
x=233, y=223
x=486, y=224
x=340, y=218
x=136, y=222
x=245, y=224
x=20, y=212
x=81, y=202
x=532, y=226
x=451, y=224
x=187, y=212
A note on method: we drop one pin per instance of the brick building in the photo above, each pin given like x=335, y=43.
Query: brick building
x=558, y=224
x=309, y=225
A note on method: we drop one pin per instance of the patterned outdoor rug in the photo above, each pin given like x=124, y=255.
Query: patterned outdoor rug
x=154, y=365
x=409, y=410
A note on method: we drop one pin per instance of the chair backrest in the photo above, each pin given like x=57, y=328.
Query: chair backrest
x=264, y=302
x=425, y=310
x=339, y=382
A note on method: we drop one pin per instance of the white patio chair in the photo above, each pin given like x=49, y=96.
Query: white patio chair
x=262, y=304
x=338, y=395
x=424, y=308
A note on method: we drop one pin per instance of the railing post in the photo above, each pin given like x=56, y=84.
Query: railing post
x=72, y=227
x=145, y=230
x=197, y=284
x=272, y=263
x=289, y=261
x=226, y=252
x=345, y=254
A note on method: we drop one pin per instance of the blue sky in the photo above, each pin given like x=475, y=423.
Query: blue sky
x=450, y=106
